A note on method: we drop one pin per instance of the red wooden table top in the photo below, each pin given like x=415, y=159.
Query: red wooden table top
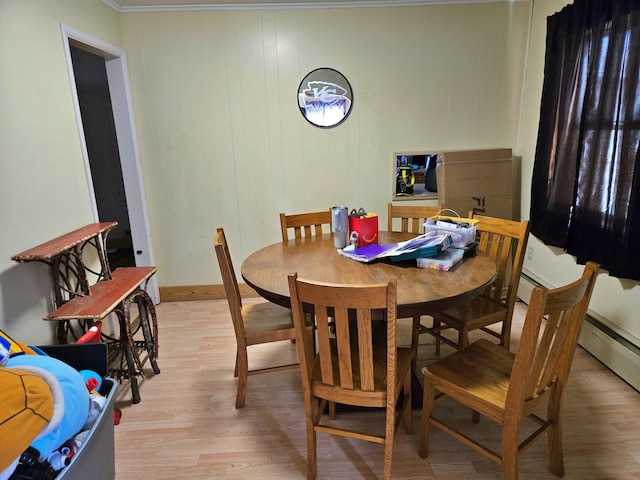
x=105, y=295
x=48, y=250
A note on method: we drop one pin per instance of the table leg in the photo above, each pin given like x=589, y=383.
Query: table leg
x=149, y=326
x=127, y=364
x=128, y=348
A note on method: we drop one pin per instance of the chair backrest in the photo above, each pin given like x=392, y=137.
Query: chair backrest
x=506, y=242
x=345, y=333
x=230, y=283
x=549, y=338
x=304, y=224
x=412, y=218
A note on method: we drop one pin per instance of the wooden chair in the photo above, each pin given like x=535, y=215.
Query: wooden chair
x=253, y=324
x=508, y=387
x=357, y=365
x=304, y=224
x=506, y=242
x=412, y=219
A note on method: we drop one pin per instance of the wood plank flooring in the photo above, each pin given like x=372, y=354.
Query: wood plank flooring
x=186, y=426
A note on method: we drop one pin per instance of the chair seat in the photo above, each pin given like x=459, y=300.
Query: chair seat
x=268, y=318
x=481, y=373
x=477, y=313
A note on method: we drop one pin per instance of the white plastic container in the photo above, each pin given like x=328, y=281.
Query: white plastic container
x=443, y=261
x=95, y=459
x=461, y=236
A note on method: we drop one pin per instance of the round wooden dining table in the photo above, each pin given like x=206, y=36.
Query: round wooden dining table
x=419, y=290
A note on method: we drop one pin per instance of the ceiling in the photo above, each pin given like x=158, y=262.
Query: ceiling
x=169, y=5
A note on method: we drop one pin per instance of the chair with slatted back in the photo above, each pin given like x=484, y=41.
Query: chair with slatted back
x=304, y=224
x=507, y=387
x=354, y=363
x=506, y=242
x=253, y=324
x=412, y=219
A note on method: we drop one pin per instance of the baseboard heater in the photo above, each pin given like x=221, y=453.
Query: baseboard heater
x=618, y=353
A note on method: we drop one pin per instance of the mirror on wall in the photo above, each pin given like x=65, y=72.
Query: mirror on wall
x=415, y=175
x=325, y=97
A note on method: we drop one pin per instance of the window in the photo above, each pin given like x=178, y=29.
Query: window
x=586, y=177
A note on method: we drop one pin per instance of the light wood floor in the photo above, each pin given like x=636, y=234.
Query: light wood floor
x=186, y=426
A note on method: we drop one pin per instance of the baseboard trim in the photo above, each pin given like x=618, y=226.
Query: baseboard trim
x=201, y=292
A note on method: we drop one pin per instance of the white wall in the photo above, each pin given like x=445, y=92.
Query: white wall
x=223, y=144
x=616, y=302
x=222, y=141
x=43, y=185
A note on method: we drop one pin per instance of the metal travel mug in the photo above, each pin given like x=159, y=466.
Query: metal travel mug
x=339, y=225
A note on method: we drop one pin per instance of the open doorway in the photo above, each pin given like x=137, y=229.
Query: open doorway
x=126, y=200
x=94, y=100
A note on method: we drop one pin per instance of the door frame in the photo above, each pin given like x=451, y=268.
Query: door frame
x=118, y=79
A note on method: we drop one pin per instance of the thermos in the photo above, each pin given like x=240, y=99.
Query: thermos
x=339, y=225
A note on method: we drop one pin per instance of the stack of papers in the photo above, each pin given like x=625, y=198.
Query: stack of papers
x=422, y=246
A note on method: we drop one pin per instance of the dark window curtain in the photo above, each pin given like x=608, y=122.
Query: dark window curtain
x=586, y=175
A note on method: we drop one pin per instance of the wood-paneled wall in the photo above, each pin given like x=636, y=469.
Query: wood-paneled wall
x=222, y=141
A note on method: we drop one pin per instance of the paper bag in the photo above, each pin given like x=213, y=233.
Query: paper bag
x=365, y=226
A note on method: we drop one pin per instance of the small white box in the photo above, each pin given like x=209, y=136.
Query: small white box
x=443, y=261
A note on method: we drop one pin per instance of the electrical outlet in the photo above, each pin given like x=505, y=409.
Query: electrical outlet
x=530, y=254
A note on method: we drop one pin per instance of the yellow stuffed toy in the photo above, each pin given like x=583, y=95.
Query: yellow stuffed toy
x=26, y=410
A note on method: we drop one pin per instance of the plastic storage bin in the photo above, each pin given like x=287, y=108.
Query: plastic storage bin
x=462, y=230
x=95, y=459
x=444, y=261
